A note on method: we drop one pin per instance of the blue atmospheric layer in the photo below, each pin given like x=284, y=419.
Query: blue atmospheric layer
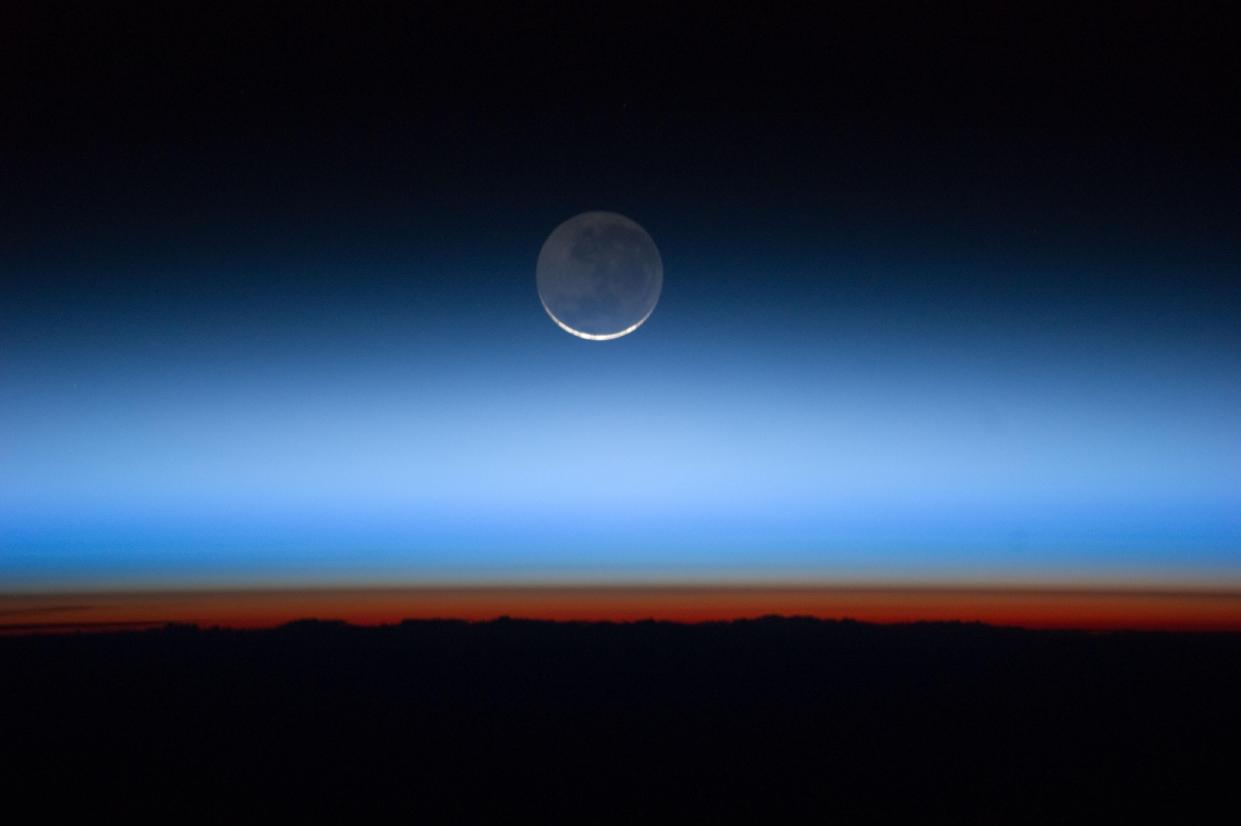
x=177, y=420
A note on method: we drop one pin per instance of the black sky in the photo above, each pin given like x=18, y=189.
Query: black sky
x=1115, y=121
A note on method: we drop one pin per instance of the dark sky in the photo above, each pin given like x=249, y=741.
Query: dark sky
x=950, y=124
x=935, y=279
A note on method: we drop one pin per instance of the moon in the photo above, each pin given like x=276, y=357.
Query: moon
x=599, y=276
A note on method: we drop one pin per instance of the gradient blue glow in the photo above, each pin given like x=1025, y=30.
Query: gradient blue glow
x=792, y=412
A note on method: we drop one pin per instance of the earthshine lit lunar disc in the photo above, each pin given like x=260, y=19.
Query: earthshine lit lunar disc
x=599, y=275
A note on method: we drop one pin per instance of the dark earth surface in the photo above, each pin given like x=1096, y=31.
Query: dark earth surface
x=772, y=720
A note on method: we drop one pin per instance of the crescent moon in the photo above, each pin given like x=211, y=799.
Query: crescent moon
x=599, y=276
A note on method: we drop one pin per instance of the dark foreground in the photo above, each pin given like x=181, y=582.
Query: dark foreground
x=761, y=721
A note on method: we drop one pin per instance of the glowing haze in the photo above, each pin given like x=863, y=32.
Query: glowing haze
x=775, y=419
